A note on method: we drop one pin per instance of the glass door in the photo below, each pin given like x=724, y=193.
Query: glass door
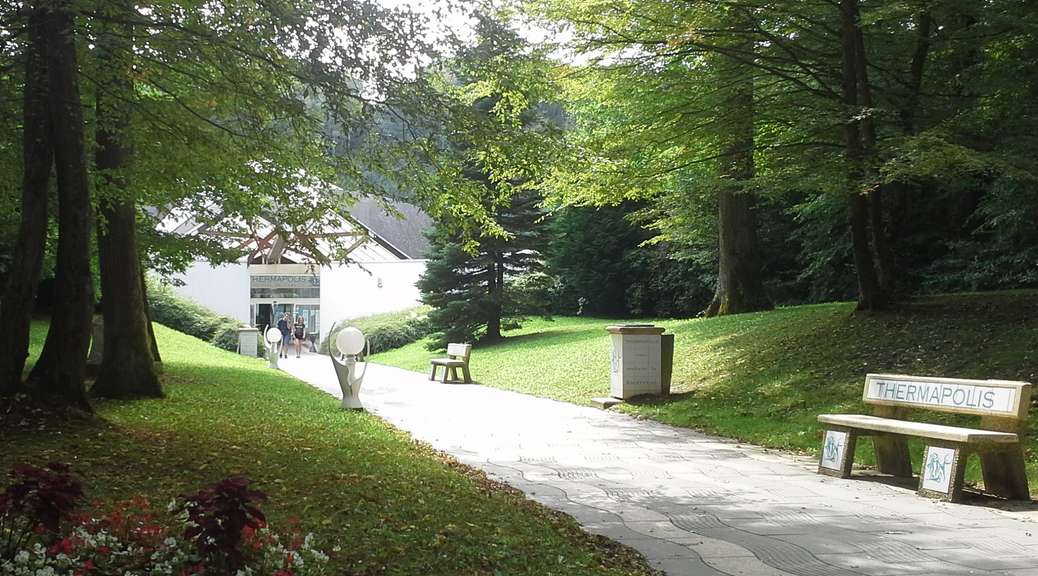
x=263, y=316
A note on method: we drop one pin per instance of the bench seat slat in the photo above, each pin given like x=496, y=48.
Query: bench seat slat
x=447, y=362
x=919, y=429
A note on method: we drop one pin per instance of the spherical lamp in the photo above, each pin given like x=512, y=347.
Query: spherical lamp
x=273, y=335
x=350, y=341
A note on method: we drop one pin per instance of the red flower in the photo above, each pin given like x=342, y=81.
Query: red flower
x=104, y=550
x=284, y=573
x=63, y=546
x=88, y=565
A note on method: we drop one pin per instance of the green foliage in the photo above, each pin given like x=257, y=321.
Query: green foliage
x=474, y=294
x=193, y=319
x=591, y=251
x=408, y=511
x=764, y=377
x=385, y=331
x=954, y=96
x=608, y=265
x=470, y=277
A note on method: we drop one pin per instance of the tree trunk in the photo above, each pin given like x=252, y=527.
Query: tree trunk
x=921, y=53
x=37, y=160
x=901, y=193
x=127, y=369
x=59, y=374
x=879, y=232
x=740, y=285
x=495, y=291
x=871, y=295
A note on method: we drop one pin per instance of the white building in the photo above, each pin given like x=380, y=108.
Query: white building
x=278, y=275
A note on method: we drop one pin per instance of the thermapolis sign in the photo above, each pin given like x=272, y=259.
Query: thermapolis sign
x=962, y=396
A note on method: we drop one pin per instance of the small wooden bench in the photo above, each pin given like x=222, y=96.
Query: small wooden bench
x=457, y=357
x=1001, y=404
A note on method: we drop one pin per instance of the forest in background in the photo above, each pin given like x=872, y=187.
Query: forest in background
x=720, y=156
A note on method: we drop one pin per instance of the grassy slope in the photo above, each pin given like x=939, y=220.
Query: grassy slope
x=393, y=506
x=764, y=377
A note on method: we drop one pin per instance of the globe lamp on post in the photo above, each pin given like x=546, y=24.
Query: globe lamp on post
x=273, y=338
x=349, y=343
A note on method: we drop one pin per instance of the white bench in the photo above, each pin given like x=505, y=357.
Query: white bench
x=457, y=357
x=1001, y=404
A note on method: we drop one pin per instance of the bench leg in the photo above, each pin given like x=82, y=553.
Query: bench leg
x=465, y=372
x=892, y=455
x=837, y=452
x=1004, y=472
x=944, y=467
x=432, y=375
x=446, y=371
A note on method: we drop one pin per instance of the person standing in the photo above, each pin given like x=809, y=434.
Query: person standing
x=286, y=335
x=300, y=334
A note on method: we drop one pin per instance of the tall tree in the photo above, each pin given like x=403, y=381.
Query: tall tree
x=37, y=163
x=681, y=97
x=498, y=142
x=58, y=374
x=127, y=367
x=868, y=229
x=473, y=291
x=740, y=285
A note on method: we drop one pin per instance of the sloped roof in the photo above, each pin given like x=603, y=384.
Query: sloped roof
x=403, y=232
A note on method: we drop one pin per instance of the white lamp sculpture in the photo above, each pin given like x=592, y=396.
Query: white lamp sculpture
x=273, y=337
x=350, y=343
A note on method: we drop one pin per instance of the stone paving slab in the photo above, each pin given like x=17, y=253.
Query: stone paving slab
x=691, y=503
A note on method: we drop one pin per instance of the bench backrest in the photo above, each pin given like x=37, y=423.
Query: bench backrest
x=459, y=351
x=991, y=399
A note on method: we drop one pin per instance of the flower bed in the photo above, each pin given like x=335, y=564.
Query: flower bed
x=219, y=530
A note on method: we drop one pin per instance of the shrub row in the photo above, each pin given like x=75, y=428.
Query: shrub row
x=193, y=319
x=385, y=331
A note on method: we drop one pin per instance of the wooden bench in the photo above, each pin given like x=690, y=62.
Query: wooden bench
x=457, y=357
x=1001, y=404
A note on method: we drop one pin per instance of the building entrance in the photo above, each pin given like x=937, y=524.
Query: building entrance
x=279, y=289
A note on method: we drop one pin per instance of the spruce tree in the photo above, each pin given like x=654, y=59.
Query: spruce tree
x=472, y=292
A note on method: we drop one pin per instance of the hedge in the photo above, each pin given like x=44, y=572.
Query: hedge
x=385, y=331
x=193, y=319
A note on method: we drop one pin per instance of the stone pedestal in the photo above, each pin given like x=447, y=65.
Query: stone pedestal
x=248, y=341
x=637, y=367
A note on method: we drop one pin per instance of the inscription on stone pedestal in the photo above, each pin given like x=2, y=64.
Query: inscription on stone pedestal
x=635, y=362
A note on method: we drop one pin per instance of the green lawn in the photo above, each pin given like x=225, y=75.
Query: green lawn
x=391, y=505
x=764, y=377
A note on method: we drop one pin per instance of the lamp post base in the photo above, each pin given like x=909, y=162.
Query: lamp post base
x=350, y=402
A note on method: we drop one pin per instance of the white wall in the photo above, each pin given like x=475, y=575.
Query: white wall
x=351, y=292
x=346, y=291
x=223, y=289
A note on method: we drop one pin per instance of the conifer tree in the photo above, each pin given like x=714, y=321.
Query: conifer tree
x=473, y=291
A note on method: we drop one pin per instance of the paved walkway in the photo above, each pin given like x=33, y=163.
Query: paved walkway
x=693, y=504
